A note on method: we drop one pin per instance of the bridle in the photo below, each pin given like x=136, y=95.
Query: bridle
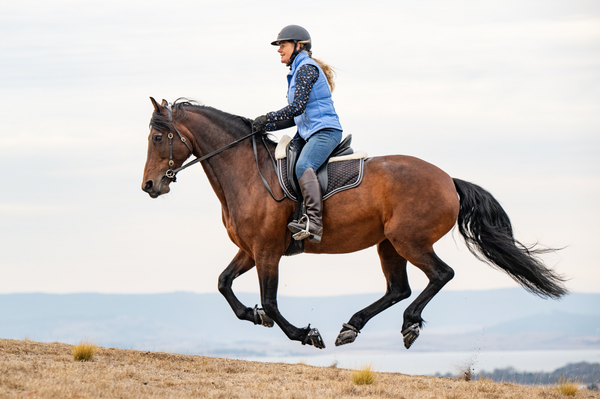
x=172, y=173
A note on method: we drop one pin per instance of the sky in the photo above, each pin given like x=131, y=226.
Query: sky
x=505, y=94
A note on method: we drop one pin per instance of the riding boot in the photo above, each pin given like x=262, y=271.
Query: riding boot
x=313, y=199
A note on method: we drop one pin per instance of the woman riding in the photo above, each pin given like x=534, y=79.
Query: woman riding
x=311, y=109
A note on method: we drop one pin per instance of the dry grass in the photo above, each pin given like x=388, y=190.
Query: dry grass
x=364, y=376
x=567, y=387
x=84, y=351
x=47, y=370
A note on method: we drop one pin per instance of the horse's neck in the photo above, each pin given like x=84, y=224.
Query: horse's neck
x=231, y=173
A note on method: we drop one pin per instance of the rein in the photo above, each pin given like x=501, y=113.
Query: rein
x=172, y=173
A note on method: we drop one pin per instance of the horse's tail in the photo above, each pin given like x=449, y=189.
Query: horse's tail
x=488, y=234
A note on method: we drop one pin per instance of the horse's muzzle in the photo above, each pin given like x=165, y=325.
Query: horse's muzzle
x=154, y=190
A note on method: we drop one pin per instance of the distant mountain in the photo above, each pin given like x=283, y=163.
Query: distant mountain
x=204, y=324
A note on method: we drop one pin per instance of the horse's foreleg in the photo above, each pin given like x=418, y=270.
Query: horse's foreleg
x=394, y=269
x=268, y=275
x=438, y=274
x=238, y=266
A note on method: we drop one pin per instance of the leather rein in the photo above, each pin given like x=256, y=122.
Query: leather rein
x=172, y=173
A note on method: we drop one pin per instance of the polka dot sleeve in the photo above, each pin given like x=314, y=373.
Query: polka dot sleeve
x=306, y=77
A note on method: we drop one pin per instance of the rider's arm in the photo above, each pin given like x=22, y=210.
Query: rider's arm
x=306, y=77
x=284, y=124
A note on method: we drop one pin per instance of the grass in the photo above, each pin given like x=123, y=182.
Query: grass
x=364, y=376
x=567, y=387
x=84, y=351
x=47, y=370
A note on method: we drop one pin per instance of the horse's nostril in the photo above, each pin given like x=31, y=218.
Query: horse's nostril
x=148, y=185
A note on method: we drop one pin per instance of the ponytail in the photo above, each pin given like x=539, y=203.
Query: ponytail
x=327, y=70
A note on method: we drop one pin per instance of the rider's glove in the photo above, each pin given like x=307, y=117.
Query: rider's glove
x=260, y=123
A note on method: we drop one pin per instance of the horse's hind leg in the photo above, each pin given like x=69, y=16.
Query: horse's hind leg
x=438, y=274
x=394, y=270
x=238, y=266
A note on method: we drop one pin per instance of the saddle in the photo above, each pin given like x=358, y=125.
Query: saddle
x=343, y=170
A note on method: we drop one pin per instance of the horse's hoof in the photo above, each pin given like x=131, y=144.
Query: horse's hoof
x=346, y=336
x=313, y=338
x=410, y=334
x=260, y=317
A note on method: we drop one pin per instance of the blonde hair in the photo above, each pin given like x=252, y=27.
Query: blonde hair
x=328, y=70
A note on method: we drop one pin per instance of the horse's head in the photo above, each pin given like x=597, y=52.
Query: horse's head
x=164, y=152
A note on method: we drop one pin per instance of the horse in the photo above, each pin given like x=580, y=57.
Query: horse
x=403, y=206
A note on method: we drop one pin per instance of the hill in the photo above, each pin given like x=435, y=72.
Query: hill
x=47, y=370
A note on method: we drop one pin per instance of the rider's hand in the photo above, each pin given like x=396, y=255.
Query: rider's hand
x=260, y=123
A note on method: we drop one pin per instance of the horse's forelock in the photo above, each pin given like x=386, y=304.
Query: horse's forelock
x=160, y=122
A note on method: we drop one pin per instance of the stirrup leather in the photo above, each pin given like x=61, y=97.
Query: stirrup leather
x=302, y=234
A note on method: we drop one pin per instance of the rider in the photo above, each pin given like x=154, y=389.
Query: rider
x=310, y=108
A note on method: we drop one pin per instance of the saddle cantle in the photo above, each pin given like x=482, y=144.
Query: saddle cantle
x=342, y=171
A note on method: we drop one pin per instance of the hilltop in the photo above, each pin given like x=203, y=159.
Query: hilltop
x=47, y=370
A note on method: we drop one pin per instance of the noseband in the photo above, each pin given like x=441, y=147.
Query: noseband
x=172, y=173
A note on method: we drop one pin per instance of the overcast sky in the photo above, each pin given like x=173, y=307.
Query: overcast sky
x=505, y=94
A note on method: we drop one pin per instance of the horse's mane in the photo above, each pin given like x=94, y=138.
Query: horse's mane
x=241, y=125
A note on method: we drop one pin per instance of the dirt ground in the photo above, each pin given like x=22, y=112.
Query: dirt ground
x=47, y=370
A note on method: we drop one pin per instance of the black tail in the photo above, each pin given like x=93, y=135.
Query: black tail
x=488, y=234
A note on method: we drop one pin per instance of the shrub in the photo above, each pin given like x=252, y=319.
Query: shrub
x=363, y=376
x=567, y=387
x=84, y=351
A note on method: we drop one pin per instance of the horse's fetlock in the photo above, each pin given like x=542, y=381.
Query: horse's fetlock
x=410, y=319
x=244, y=314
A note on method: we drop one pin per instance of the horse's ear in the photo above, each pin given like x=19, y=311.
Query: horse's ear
x=157, y=107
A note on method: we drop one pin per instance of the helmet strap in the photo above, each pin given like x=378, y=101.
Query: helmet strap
x=294, y=54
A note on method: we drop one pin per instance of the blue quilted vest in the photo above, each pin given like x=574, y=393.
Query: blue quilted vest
x=319, y=113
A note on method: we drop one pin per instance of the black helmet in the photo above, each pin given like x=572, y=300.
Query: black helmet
x=293, y=33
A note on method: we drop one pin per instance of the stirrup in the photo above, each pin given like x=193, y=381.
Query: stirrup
x=302, y=234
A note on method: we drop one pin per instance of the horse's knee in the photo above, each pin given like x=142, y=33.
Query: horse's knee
x=224, y=283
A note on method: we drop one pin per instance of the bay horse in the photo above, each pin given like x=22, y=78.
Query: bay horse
x=403, y=206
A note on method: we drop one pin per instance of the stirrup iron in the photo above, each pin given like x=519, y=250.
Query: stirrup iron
x=302, y=234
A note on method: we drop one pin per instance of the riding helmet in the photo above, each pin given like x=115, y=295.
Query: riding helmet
x=293, y=33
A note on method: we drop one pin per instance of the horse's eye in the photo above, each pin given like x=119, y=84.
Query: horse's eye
x=158, y=138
